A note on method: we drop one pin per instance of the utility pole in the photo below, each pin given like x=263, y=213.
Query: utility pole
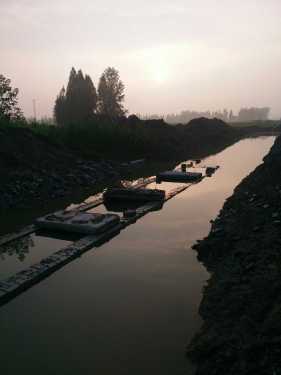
x=34, y=109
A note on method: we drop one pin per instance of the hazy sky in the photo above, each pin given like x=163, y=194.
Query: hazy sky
x=171, y=55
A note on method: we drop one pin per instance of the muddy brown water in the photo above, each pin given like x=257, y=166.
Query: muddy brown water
x=131, y=305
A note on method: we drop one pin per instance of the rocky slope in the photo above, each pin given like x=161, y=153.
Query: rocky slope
x=241, y=305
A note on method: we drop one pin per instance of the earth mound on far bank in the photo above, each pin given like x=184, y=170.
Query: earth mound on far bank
x=65, y=159
x=33, y=167
x=207, y=125
x=204, y=131
x=21, y=149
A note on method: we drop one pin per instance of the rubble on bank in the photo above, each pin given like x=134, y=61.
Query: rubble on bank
x=241, y=306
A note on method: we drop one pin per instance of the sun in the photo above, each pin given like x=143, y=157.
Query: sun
x=160, y=75
x=156, y=64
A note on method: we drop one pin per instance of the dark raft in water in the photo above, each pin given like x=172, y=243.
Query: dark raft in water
x=131, y=194
x=178, y=176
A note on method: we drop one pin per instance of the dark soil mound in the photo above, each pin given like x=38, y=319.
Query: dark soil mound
x=207, y=125
x=21, y=149
x=211, y=132
x=33, y=167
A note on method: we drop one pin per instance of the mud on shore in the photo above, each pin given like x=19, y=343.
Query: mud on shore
x=241, y=305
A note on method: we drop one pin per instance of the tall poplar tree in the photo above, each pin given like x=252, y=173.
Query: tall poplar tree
x=60, y=108
x=111, y=94
x=78, y=102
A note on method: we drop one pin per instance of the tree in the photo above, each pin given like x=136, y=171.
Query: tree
x=91, y=97
x=111, y=94
x=253, y=114
x=9, y=109
x=60, y=108
x=225, y=115
x=78, y=102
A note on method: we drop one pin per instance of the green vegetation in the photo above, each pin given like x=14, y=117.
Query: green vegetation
x=128, y=138
x=103, y=138
x=111, y=94
x=80, y=101
x=9, y=109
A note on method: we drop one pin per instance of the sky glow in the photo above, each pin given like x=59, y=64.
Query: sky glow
x=185, y=54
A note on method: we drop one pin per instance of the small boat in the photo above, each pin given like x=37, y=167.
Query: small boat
x=78, y=222
x=131, y=194
x=178, y=176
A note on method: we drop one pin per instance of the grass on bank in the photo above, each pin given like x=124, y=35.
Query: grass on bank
x=105, y=139
x=125, y=139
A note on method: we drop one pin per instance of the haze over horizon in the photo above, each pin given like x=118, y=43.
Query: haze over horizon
x=194, y=54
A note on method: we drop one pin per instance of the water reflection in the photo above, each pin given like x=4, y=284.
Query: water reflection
x=18, y=248
x=26, y=251
x=121, y=206
x=59, y=235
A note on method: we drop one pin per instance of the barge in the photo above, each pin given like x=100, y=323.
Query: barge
x=131, y=194
x=178, y=176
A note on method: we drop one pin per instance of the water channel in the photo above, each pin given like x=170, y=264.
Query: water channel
x=131, y=305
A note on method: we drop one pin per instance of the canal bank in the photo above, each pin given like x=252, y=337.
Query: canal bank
x=43, y=164
x=241, y=305
x=130, y=305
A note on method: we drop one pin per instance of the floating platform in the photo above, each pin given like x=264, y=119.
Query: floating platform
x=130, y=194
x=78, y=222
x=179, y=176
x=23, y=280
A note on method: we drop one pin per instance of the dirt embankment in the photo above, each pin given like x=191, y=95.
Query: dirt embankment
x=32, y=167
x=241, y=305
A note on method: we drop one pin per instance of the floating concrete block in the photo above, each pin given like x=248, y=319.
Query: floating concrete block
x=77, y=222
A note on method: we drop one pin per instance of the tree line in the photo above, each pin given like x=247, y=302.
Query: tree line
x=80, y=101
x=92, y=125
x=244, y=115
